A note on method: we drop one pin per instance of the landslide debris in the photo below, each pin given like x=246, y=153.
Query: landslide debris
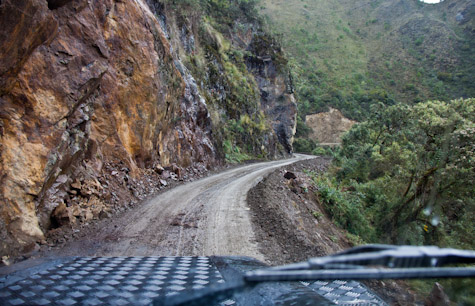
x=328, y=127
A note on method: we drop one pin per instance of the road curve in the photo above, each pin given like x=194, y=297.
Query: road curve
x=209, y=216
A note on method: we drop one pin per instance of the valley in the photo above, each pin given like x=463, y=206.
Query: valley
x=179, y=128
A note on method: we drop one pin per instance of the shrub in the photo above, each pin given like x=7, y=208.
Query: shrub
x=302, y=145
x=346, y=211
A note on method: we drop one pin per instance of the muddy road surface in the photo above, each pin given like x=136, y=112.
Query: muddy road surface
x=205, y=217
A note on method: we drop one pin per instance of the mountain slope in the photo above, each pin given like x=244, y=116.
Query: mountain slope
x=351, y=54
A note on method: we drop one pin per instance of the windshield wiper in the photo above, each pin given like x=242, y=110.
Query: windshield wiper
x=364, y=262
x=374, y=262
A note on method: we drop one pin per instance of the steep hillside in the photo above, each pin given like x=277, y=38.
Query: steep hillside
x=99, y=97
x=351, y=54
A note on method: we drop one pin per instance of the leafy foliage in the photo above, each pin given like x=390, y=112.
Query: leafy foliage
x=344, y=208
x=412, y=168
x=406, y=176
x=227, y=12
x=304, y=145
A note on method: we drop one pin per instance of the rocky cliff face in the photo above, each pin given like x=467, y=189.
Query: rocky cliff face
x=97, y=98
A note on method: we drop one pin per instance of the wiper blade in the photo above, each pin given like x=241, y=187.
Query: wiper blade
x=392, y=262
x=357, y=274
x=374, y=262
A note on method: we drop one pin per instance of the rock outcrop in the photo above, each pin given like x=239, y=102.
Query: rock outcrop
x=94, y=94
x=275, y=83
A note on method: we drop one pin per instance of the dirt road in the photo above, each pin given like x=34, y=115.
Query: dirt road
x=205, y=217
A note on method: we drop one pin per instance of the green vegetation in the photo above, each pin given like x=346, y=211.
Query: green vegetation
x=309, y=146
x=240, y=128
x=350, y=55
x=412, y=167
x=345, y=210
x=223, y=11
x=405, y=176
x=233, y=154
x=317, y=214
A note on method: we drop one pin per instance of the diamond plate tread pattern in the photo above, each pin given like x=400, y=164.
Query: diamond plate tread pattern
x=112, y=281
x=140, y=280
x=346, y=293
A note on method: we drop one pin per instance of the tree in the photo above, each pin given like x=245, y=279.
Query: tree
x=414, y=166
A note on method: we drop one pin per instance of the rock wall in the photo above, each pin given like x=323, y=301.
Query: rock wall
x=94, y=95
x=328, y=127
x=276, y=88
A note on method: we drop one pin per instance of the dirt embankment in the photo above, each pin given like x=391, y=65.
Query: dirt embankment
x=290, y=224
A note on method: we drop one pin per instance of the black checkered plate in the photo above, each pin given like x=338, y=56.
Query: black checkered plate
x=138, y=281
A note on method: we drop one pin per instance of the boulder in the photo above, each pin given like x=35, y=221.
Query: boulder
x=290, y=175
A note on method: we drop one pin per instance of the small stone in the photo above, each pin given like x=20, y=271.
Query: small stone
x=165, y=174
x=5, y=261
x=76, y=184
x=159, y=169
x=62, y=179
x=75, y=211
x=104, y=215
x=290, y=175
x=88, y=215
x=60, y=215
